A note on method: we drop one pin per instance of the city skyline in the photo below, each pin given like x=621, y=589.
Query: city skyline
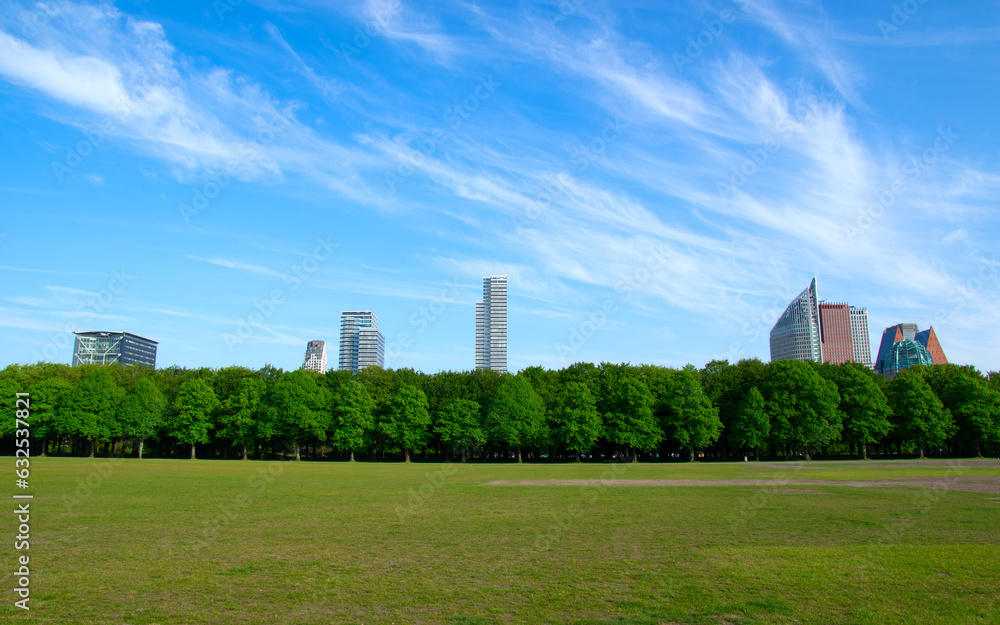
x=657, y=181
x=819, y=330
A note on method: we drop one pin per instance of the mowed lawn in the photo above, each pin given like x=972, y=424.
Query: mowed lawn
x=177, y=541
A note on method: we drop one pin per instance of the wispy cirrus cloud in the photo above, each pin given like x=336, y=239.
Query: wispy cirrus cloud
x=243, y=267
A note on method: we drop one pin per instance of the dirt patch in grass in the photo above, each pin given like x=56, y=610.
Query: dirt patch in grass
x=971, y=484
x=789, y=491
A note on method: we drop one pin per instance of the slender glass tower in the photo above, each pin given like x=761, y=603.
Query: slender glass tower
x=491, y=325
x=361, y=343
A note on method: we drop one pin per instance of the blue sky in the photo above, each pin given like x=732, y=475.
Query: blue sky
x=227, y=177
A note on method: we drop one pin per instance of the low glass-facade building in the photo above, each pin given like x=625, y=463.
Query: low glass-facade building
x=105, y=348
x=903, y=355
x=890, y=360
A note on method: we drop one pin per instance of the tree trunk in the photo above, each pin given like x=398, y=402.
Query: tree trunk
x=192, y=451
x=141, y=441
x=352, y=455
x=244, y=451
x=692, y=454
x=406, y=455
x=298, y=452
x=864, y=450
x=92, y=445
x=45, y=442
x=921, y=452
x=519, y=454
x=979, y=449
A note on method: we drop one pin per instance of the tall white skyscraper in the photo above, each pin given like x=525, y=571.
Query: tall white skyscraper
x=491, y=325
x=361, y=343
x=315, y=356
x=860, y=337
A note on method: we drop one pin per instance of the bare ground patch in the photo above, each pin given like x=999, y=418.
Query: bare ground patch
x=788, y=491
x=971, y=484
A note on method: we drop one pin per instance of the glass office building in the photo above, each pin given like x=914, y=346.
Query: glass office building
x=105, y=348
x=903, y=355
x=796, y=334
x=491, y=325
x=361, y=343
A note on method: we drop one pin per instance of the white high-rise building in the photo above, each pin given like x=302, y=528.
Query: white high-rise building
x=315, y=356
x=361, y=343
x=860, y=337
x=491, y=325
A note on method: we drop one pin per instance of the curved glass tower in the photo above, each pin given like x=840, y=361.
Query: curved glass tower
x=796, y=334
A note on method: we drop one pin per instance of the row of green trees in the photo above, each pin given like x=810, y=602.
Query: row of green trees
x=722, y=411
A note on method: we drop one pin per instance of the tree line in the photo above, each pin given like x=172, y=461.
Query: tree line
x=584, y=411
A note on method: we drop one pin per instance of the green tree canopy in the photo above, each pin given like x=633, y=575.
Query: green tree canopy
x=917, y=413
x=863, y=408
x=576, y=423
x=458, y=425
x=802, y=405
x=47, y=408
x=752, y=426
x=299, y=407
x=628, y=418
x=193, y=413
x=516, y=416
x=686, y=414
x=142, y=411
x=241, y=411
x=406, y=420
x=353, y=416
x=92, y=406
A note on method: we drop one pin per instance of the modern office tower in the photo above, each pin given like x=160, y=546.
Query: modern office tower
x=491, y=325
x=315, y=356
x=860, y=336
x=105, y=348
x=361, y=343
x=796, y=335
x=835, y=332
x=904, y=345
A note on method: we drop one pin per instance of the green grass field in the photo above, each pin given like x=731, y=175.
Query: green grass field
x=174, y=541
